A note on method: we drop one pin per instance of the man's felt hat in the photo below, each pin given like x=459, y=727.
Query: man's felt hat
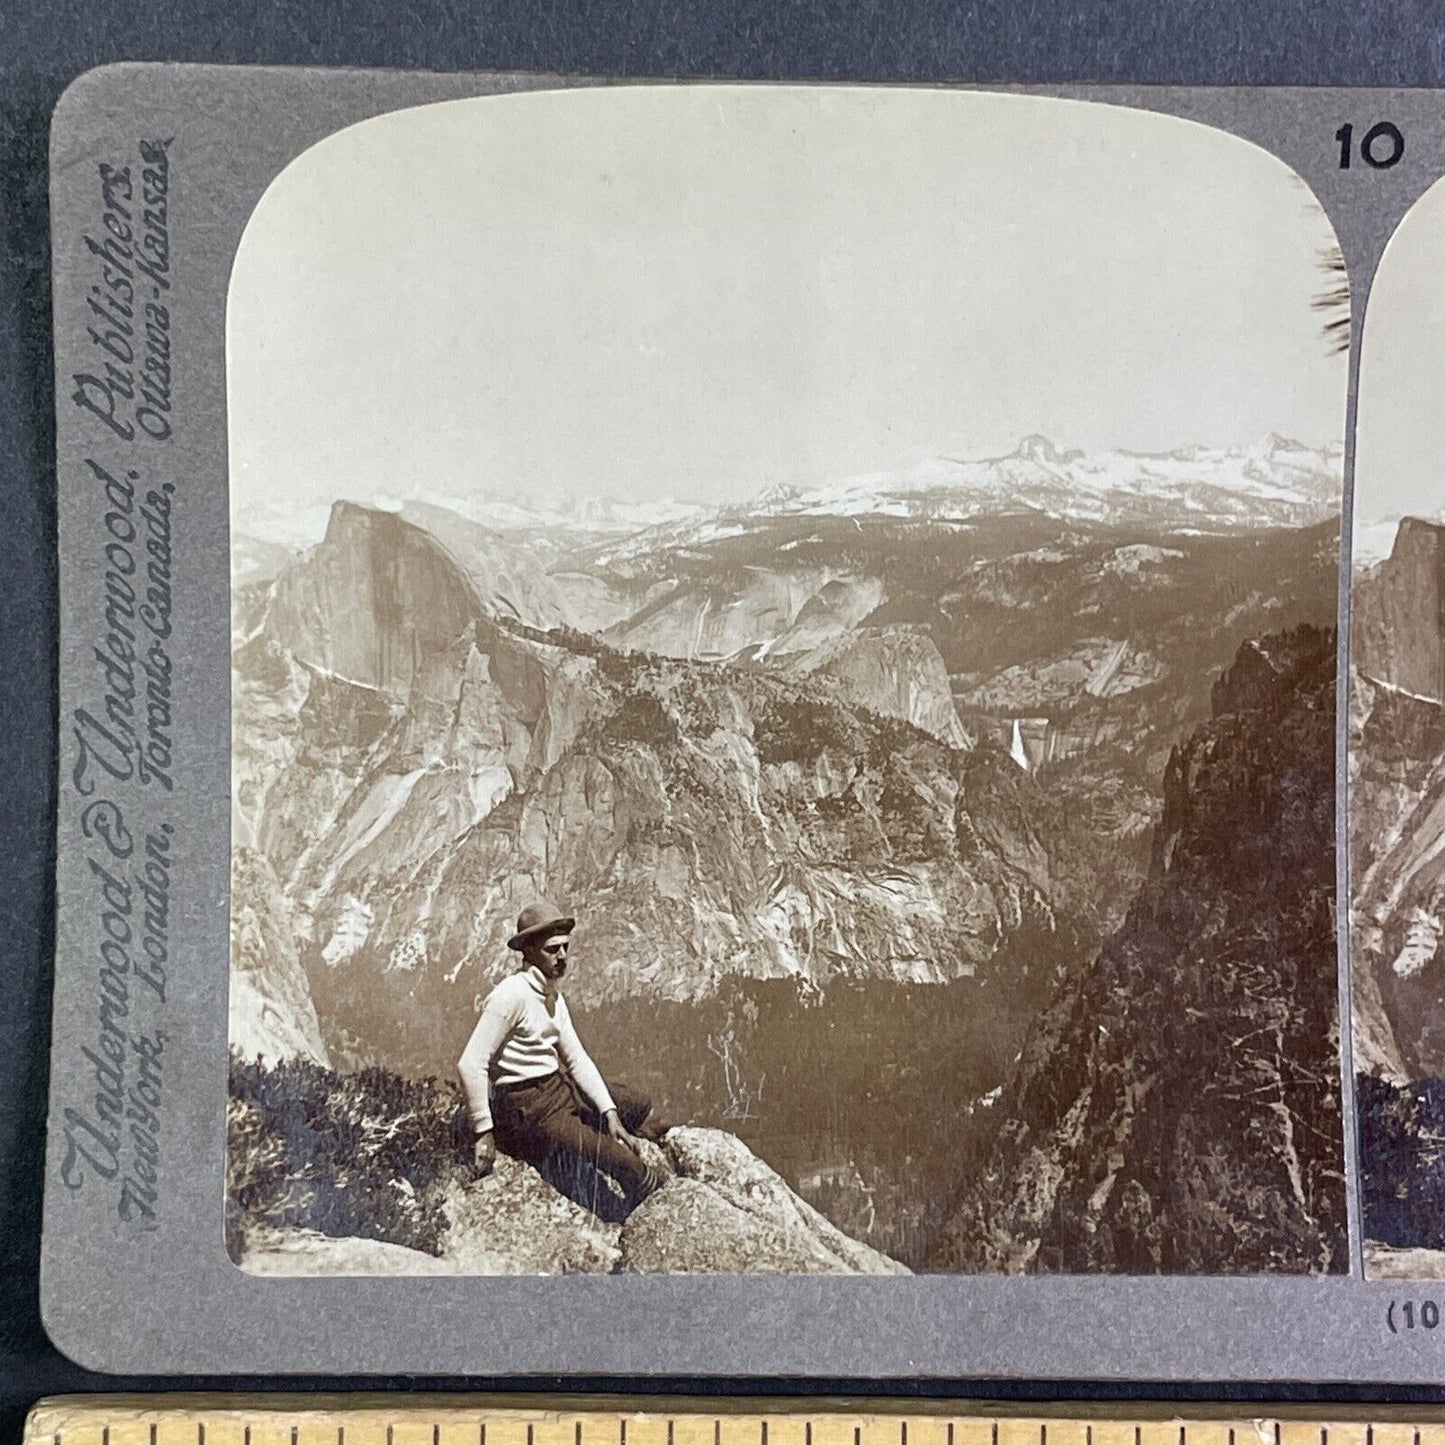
x=538, y=919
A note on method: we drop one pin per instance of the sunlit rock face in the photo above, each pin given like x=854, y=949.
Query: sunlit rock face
x=271, y=1012
x=376, y=597
x=730, y=613
x=416, y=778
x=893, y=672
x=1398, y=614
x=726, y=1212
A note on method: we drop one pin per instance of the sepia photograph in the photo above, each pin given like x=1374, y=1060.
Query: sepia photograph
x=783, y=667
x=1397, y=755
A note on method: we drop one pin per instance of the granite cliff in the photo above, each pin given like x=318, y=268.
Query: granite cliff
x=1397, y=611
x=1397, y=917
x=271, y=1011
x=400, y=751
x=1177, y=1109
x=1397, y=809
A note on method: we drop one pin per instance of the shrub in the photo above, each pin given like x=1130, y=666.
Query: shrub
x=364, y=1154
x=799, y=729
x=641, y=718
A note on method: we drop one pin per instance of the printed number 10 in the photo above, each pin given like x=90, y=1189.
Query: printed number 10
x=1381, y=147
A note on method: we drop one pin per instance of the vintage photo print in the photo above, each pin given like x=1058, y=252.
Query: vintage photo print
x=1397, y=754
x=783, y=670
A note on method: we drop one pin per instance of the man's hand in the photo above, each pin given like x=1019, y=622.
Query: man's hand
x=484, y=1156
x=612, y=1123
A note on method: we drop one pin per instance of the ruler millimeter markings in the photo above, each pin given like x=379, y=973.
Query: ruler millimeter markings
x=371, y=1419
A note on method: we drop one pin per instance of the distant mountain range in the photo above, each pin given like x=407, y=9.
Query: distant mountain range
x=1195, y=489
x=1047, y=594
x=1278, y=482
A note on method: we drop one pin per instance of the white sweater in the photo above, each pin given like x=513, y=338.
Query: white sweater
x=517, y=1039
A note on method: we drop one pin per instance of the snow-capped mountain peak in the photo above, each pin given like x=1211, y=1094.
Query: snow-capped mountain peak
x=1277, y=481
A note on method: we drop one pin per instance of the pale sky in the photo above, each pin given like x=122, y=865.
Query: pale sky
x=1400, y=435
x=697, y=291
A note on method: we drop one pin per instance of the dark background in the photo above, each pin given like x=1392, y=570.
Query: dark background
x=42, y=48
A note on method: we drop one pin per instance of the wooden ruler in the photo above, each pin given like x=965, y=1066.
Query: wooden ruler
x=560, y=1420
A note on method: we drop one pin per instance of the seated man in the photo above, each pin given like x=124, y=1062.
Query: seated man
x=525, y=1068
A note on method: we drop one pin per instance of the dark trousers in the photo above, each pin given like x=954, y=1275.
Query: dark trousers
x=549, y=1124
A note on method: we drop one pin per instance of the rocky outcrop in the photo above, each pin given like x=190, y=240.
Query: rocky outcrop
x=895, y=672
x=515, y=1222
x=375, y=598
x=1397, y=637
x=1178, y=1109
x=283, y=1253
x=512, y=1222
x=731, y=612
x=726, y=1212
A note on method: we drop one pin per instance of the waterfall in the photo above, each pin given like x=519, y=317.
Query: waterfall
x=1016, y=749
